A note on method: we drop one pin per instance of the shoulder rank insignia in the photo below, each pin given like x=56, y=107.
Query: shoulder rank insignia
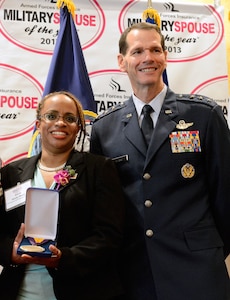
x=110, y=110
x=183, y=125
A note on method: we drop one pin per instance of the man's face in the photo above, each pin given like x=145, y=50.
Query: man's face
x=145, y=60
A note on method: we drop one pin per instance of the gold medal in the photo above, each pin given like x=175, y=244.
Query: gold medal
x=32, y=248
x=187, y=171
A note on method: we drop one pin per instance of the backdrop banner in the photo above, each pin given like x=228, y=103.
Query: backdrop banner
x=195, y=40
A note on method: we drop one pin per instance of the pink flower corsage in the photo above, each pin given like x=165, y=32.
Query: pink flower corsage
x=62, y=177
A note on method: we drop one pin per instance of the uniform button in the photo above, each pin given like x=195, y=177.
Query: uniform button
x=147, y=176
x=149, y=233
x=148, y=203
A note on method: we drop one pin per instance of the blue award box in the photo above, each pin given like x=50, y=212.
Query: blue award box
x=41, y=218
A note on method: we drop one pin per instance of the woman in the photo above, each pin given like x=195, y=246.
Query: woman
x=91, y=214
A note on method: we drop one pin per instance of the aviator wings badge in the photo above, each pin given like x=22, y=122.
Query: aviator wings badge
x=183, y=125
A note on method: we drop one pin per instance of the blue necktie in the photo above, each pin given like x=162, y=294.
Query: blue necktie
x=147, y=123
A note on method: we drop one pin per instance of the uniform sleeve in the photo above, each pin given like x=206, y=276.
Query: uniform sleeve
x=218, y=170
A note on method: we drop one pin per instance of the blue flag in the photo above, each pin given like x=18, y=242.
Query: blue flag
x=68, y=72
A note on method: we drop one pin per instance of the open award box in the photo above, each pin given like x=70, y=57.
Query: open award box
x=41, y=217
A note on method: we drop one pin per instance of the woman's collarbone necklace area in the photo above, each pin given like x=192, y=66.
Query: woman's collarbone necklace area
x=47, y=169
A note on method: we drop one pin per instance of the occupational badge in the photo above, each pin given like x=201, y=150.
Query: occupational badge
x=183, y=125
x=188, y=171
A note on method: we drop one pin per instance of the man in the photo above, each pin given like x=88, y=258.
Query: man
x=177, y=187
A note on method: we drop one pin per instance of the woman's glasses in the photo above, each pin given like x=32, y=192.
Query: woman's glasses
x=54, y=117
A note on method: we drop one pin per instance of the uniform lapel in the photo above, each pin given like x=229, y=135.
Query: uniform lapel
x=165, y=125
x=131, y=128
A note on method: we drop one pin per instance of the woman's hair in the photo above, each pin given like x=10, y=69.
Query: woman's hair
x=80, y=113
x=123, y=46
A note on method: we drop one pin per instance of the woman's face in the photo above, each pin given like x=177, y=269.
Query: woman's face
x=58, y=125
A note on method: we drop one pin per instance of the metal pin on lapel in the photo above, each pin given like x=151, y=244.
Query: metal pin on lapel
x=168, y=111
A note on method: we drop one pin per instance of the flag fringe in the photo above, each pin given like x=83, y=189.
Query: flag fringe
x=152, y=14
x=90, y=113
x=32, y=142
x=70, y=5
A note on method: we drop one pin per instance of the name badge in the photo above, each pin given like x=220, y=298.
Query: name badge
x=16, y=196
x=121, y=158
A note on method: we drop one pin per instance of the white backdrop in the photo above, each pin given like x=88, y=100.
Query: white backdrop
x=28, y=29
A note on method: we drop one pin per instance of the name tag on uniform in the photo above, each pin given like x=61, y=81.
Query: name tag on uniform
x=16, y=196
x=121, y=158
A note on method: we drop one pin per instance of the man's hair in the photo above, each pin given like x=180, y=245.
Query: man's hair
x=123, y=45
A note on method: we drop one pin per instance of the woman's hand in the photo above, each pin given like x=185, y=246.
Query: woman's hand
x=51, y=262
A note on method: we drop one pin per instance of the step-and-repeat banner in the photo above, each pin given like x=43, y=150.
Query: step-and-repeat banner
x=195, y=42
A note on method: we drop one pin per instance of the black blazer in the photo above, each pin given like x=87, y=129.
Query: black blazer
x=178, y=204
x=90, y=229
